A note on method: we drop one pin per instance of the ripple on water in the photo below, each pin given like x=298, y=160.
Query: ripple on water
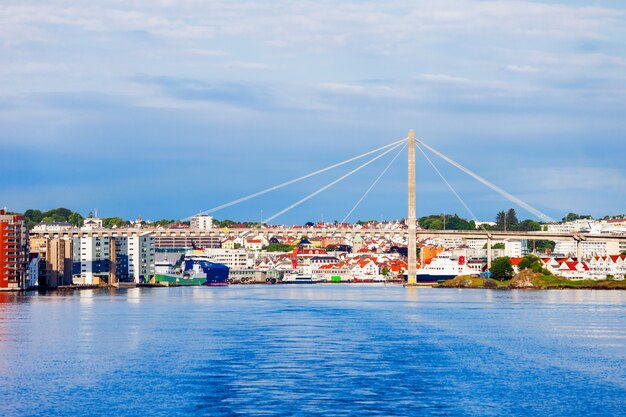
x=319, y=350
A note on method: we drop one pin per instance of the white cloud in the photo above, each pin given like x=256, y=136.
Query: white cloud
x=522, y=68
x=242, y=65
x=580, y=178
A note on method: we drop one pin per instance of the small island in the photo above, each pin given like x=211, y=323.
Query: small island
x=532, y=275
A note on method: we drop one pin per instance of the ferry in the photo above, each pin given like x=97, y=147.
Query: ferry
x=368, y=278
x=444, y=266
x=302, y=279
x=195, y=269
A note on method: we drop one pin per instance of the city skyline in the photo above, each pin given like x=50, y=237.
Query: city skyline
x=165, y=110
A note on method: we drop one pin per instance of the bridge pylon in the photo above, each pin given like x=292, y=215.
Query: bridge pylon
x=411, y=218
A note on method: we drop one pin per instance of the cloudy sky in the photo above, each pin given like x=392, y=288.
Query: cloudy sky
x=164, y=108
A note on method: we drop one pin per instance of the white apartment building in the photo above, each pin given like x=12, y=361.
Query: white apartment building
x=515, y=248
x=232, y=258
x=589, y=249
x=97, y=254
x=134, y=257
x=201, y=222
x=91, y=259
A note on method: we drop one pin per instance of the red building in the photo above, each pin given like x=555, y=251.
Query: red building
x=13, y=251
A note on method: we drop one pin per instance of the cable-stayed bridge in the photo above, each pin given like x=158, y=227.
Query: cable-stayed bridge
x=410, y=143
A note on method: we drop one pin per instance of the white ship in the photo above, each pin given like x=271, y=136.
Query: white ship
x=443, y=267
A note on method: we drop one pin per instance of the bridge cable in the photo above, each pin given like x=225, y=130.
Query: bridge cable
x=497, y=189
x=293, y=181
x=327, y=186
x=374, y=183
x=450, y=186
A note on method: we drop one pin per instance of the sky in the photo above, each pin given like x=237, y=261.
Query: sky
x=165, y=108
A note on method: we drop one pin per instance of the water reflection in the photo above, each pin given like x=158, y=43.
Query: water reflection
x=317, y=350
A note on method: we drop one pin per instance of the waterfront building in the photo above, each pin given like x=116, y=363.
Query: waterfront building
x=97, y=255
x=91, y=259
x=132, y=257
x=33, y=271
x=55, y=257
x=589, y=249
x=14, y=263
x=601, y=267
x=232, y=258
x=201, y=222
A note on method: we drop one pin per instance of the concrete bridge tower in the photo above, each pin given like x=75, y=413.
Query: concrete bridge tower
x=411, y=219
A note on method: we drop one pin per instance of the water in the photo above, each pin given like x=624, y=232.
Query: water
x=313, y=350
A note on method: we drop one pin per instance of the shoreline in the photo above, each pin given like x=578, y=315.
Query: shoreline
x=451, y=284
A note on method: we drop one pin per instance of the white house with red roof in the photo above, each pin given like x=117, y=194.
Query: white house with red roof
x=574, y=270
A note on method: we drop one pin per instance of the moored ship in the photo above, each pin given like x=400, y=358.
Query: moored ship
x=444, y=266
x=195, y=269
x=302, y=279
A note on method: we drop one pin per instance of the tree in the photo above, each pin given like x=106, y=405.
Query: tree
x=164, y=222
x=59, y=214
x=529, y=226
x=542, y=245
x=511, y=220
x=531, y=262
x=500, y=219
x=452, y=222
x=507, y=220
x=499, y=245
x=278, y=247
x=76, y=219
x=110, y=222
x=502, y=269
x=573, y=216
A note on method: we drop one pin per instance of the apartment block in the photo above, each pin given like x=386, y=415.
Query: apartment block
x=55, y=260
x=100, y=256
x=201, y=222
x=14, y=262
x=232, y=258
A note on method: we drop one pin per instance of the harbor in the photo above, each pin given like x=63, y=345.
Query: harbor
x=313, y=349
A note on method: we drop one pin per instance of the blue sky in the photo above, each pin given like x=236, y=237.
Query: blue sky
x=164, y=108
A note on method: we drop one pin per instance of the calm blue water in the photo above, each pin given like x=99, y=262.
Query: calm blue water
x=313, y=350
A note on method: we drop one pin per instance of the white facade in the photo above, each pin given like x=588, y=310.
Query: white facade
x=92, y=253
x=588, y=249
x=91, y=223
x=515, y=248
x=201, y=222
x=232, y=258
x=141, y=256
x=53, y=227
x=134, y=257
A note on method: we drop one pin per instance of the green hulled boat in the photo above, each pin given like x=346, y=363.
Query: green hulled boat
x=173, y=279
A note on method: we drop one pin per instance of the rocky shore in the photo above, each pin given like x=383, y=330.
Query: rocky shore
x=527, y=279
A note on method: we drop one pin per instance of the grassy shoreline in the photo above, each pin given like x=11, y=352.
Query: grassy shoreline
x=538, y=282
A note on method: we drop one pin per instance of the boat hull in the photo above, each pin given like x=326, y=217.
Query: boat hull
x=172, y=279
x=433, y=278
